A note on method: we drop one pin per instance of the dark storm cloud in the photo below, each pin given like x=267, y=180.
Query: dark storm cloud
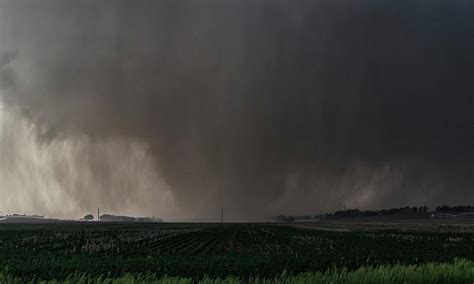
x=6, y=74
x=6, y=57
x=261, y=106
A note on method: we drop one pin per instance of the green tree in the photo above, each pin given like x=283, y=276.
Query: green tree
x=89, y=217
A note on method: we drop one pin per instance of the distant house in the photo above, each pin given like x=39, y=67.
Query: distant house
x=443, y=216
x=467, y=215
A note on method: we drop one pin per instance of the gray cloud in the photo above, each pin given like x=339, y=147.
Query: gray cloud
x=260, y=107
x=6, y=74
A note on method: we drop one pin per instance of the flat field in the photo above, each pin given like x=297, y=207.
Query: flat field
x=195, y=251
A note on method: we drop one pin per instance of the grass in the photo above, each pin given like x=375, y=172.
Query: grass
x=460, y=271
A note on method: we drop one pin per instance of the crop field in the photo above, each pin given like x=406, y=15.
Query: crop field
x=196, y=251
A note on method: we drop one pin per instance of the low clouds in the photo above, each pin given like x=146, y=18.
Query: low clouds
x=70, y=176
x=261, y=107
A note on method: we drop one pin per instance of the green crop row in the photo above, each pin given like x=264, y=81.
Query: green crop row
x=214, y=250
x=461, y=271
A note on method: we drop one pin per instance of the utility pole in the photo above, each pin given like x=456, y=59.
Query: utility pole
x=98, y=214
x=222, y=215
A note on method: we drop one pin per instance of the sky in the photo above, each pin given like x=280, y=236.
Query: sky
x=178, y=108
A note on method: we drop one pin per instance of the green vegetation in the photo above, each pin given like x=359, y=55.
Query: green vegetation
x=461, y=271
x=239, y=251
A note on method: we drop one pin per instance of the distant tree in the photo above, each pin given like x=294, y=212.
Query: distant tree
x=283, y=218
x=443, y=208
x=89, y=217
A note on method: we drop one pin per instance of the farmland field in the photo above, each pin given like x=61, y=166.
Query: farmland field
x=195, y=251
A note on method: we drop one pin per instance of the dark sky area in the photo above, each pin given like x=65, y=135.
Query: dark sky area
x=262, y=107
